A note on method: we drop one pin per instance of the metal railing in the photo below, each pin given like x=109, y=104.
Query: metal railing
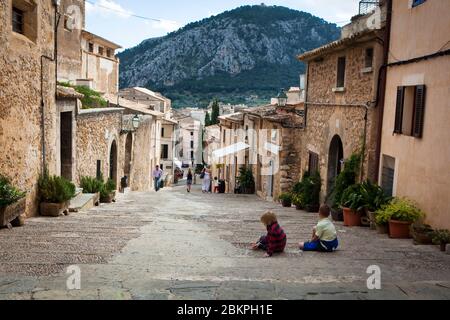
x=366, y=6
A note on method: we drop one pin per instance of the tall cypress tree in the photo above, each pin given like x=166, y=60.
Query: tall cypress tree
x=215, y=112
x=207, y=119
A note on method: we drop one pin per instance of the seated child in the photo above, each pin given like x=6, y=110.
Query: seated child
x=275, y=240
x=324, y=237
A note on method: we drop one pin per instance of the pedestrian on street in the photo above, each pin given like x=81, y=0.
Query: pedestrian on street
x=189, y=180
x=206, y=184
x=275, y=240
x=157, y=174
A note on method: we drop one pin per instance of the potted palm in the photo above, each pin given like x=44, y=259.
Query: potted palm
x=401, y=214
x=374, y=198
x=55, y=193
x=441, y=237
x=286, y=199
x=108, y=192
x=12, y=202
x=352, y=203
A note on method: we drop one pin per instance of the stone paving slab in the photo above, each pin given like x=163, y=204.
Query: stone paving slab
x=174, y=245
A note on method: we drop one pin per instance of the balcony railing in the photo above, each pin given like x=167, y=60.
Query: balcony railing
x=366, y=6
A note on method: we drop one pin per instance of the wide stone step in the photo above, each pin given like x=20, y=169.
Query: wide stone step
x=83, y=202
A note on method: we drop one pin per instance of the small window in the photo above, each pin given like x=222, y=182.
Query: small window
x=313, y=164
x=224, y=135
x=99, y=169
x=91, y=47
x=164, y=151
x=387, y=175
x=410, y=111
x=192, y=155
x=100, y=51
x=162, y=132
x=192, y=144
x=192, y=133
x=368, y=63
x=18, y=20
x=341, y=73
x=68, y=23
x=417, y=3
x=109, y=53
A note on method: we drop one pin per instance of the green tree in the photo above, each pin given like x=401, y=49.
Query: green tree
x=215, y=112
x=207, y=119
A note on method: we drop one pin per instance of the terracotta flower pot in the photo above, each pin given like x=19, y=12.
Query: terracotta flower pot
x=399, y=229
x=109, y=199
x=286, y=203
x=382, y=229
x=337, y=215
x=351, y=218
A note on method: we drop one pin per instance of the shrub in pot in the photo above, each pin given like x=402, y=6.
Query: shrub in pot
x=345, y=179
x=401, y=213
x=422, y=233
x=286, y=199
x=309, y=189
x=298, y=201
x=92, y=185
x=108, y=192
x=352, y=204
x=246, y=181
x=12, y=203
x=442, y=238
x=373, y=198
x=55, y=193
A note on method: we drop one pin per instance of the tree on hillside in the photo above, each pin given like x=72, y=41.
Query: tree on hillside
x=215, y=112
x=207, y=119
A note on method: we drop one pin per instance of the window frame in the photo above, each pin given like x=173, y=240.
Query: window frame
x=313, y=162
x=338, y=73
x=21, y=13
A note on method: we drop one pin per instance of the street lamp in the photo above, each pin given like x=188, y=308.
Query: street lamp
x=136, y=122
x=282, y=98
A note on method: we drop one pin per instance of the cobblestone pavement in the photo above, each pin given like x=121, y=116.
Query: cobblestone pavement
x=174, y=245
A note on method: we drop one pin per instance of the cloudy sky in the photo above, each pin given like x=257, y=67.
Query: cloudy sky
x=116, y=21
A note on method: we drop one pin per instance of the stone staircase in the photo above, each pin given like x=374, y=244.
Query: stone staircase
x=83, y=201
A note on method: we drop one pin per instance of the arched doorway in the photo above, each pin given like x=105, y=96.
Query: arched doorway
x=335, y=157
x=128, y=153
x=113, y=162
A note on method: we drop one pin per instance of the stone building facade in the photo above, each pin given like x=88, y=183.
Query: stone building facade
x=341, y=99
x=28, y=125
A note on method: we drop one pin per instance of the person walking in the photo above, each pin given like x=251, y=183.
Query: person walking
x=189, y=180
x=157, y=174
x=206, y=184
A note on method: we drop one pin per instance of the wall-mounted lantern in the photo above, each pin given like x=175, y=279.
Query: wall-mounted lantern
x=282, y=98
x=136, y=122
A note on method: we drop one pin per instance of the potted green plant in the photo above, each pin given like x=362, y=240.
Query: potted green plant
x=12, y=202
x=352, y=204
x=374, y=198
x=108, y=192
x=422, y=233
x=346, y=178
x=401, y=213
x=286, y=199
x=92, y=185
x=382, y=218
x=246, y=181
x=442, y=238
x=298, y=201
x=55, y=193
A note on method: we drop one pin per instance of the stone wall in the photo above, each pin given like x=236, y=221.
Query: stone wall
x=96, y=131
x=21, y=127
x=342, y=113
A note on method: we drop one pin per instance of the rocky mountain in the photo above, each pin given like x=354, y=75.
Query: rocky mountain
x=240, y=56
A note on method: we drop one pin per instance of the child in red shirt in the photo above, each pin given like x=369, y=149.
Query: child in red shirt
x=275, y=240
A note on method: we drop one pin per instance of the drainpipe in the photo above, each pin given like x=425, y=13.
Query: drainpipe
x=55, y=60
x=382, y=88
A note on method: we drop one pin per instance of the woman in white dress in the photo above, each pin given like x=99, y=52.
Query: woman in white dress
x=206, y=185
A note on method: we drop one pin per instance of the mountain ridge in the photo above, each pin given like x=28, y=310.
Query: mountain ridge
x=247, y=53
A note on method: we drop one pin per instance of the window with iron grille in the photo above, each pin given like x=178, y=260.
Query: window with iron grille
x=341, y=73
x=18, y=20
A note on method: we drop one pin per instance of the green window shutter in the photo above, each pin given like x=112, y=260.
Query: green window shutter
x=419, y=111
x=399, y=110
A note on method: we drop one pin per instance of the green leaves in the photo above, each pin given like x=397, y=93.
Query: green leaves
x=8, y=193
x=246, y=179
x=373, y=196
x=441, y=236
x=345, y=179
x=54, y=189
x=400, y=209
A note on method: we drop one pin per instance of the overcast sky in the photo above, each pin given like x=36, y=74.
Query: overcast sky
x=114, y=20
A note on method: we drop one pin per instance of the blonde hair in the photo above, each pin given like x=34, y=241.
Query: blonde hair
x=268, y=218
